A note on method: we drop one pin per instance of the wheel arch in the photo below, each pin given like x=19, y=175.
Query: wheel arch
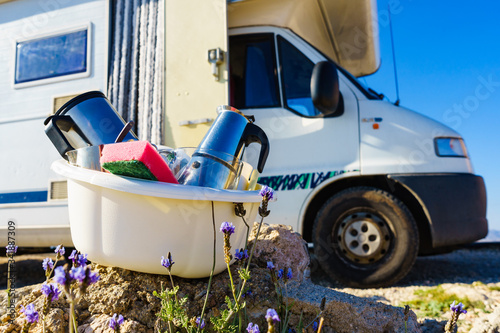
x=382, y=182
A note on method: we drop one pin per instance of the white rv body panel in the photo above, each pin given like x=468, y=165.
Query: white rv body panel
x=403, y=142
x=27, y=151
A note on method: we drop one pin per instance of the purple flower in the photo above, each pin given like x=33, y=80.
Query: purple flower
x=253, y=328
x=10, y=249
x=84, y=275
x=82, y=259
x=60, y=275
x=93, y=277
x=47, y=263
x=459, y=308
x=115, y=321
x=267, y=193
x=289, y=274
x=167, y=263
x=315, y=326
x=272, y=315
x=270, y=265
x=227, y=228
x=77, y=273
x=241, y=255
x=202, y=325
x=51, y=291
x=281, y=272
x=73, y=256
x=60, y=250
x=31, y=314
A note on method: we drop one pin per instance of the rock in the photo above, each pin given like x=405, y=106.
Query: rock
x=284, y=247
x=100, y=324
x=131, y=294
x=490, y=324
x=347, y=313
x=55, y=321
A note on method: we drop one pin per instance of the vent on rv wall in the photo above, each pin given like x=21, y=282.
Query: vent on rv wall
x=59, y=101
x=58, y=190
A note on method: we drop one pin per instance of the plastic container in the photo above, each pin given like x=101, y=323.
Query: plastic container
x=130, y=223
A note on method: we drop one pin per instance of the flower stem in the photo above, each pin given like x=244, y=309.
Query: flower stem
x=71, y=315
x=255, y=242
x=213, y=268
x=173, y=286
x=8, y=284
x=320, y=326
x=248, y=266
x=233, y=289
x=248, y=231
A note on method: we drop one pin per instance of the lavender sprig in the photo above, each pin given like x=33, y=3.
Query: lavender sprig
x=115, y=322
x=10, y=250
x=200, y=323
x=31, y=316
x=267, y=194
x=457, y=310
x=253, y=328
x=272, y=318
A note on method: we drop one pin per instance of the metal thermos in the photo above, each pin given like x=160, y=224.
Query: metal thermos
x=216, y=161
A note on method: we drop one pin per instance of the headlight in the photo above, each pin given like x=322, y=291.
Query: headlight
x=450, y=147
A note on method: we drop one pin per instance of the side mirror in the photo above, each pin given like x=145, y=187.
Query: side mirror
x=325, y=92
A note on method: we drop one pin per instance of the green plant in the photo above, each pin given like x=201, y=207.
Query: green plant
x=434, y=301
x=232, y=318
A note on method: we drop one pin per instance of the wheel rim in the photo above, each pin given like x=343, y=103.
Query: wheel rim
x=363, y=237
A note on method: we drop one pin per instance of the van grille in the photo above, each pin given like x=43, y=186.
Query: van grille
x=58, y=190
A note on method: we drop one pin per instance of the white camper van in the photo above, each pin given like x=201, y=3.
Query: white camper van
x=370, y=184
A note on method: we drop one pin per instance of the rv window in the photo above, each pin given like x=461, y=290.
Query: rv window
x=52, y=56
x=296, y=71
x=253, y=81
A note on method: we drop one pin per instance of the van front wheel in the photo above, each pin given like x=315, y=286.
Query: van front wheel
x=365, y=238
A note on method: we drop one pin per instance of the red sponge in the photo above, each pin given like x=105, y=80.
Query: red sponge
x=136, y=159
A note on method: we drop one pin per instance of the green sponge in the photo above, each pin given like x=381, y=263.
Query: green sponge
x=132, y=168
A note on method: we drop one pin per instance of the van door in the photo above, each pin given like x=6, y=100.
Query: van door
x=195, y=70
x=270, y=79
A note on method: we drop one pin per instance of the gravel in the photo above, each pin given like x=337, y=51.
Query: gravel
x=476, y=262
x=473, y=271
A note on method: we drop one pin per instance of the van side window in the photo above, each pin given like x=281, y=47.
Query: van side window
x=253, y=80
x=296, y=71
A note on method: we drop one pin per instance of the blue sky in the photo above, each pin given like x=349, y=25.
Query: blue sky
x=448, y=65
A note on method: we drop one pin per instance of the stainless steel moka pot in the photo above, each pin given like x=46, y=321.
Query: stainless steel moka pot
x=216, y=161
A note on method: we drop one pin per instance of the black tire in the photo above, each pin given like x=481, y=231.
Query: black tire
x=365, y=238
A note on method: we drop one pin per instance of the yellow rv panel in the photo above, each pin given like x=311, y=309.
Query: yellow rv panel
x=195, y=68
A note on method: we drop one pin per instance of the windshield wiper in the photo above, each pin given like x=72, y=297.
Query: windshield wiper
x=381, y=96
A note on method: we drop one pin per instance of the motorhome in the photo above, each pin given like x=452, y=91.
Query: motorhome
x=369, y=184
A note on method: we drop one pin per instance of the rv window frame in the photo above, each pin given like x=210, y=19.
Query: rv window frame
x=59, y=78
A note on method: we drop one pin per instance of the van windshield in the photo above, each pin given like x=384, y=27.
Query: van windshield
x=367, y=91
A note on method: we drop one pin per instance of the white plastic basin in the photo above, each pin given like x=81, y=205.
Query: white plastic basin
x=130, y=223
